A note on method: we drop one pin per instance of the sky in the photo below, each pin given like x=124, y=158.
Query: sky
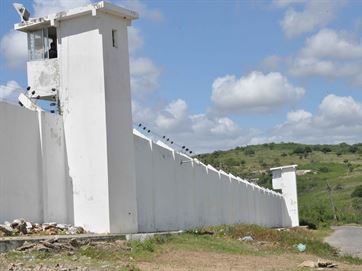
x=213, y=75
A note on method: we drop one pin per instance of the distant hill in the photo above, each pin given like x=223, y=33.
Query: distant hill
x=330, y=174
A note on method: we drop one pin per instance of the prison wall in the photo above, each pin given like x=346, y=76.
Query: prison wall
x=177, y=192
x=34, y=181
x=173, y=190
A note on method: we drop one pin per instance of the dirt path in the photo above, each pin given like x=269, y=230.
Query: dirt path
x=348, y=239
x=187, y=260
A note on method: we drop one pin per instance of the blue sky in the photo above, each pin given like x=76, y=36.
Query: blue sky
x=218, y=74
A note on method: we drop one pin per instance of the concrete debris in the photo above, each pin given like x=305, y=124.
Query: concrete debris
x=246, y=238
x=309, y=264
x=52, y=245
x=6, y=230
x=23, y=227
x=57, y=267
x=325, y=264
x=320, y=265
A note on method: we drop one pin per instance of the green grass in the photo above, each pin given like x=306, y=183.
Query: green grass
x=339, y=166
x=223, y=239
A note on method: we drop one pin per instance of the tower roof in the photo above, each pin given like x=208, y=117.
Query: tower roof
x=104, y=7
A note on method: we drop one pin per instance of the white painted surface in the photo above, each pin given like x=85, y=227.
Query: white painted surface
x=284, y=178
x=96, y=104
x=88, y=168
x=20, y=164
x=43, y=76
x=176, y=192
x=34, y=183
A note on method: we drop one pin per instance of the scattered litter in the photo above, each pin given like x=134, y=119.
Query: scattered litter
x=23, y=227
x=300, y=247
x=282, y=229
x=310, y=264
x=325, y=264
x=246, y=238
x=202, y=232
x=319, y=264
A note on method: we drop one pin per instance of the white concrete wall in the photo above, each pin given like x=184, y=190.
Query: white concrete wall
x=34, y=182
x=177, y=192
x=20, y=164
x=96, y=104
x=284, y=178
x=174, y=191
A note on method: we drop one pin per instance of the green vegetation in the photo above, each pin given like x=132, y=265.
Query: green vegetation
x=357, y=192
x=123, y=255
x=334, y=177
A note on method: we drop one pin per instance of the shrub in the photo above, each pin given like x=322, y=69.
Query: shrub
x=353, y=149
x=357, y=193
x=357, y=204
x=324, y=169
x=249, y=151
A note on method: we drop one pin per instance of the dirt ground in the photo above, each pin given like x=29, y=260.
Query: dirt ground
x=185, y=260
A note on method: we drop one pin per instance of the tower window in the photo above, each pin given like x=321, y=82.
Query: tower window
x=42, y=44
x=114, y=38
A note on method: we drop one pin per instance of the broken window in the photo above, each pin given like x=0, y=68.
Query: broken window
x=42, y=44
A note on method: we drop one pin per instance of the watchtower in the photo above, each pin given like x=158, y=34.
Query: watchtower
x=78, y=60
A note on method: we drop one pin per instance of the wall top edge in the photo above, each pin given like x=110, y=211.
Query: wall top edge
x=210, y=167
x=284, y=167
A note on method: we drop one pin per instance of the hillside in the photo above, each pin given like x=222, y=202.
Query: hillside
x=335, y=173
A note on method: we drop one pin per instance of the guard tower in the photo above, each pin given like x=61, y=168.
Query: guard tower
x=284, y=178
x=78, y=60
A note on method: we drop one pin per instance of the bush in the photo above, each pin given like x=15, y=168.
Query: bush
x=305, y=222
x=249, y=151
x=357, y=193
x=357, y=204
x=324, y=169
x=353, y=149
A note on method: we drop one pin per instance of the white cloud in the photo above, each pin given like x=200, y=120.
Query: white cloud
x=338, y=119
x=143, y=10
x=174, y=117
x=13, y=46
x=272, y=62
x=10, y=91
x=331, y=54
x=144, y=76
x=255, y=92
x=285, y=3
x=329, y=43
x=199, y=132
x=46, y=7
x=315, y=14
x=297, y=116
x=135, y=39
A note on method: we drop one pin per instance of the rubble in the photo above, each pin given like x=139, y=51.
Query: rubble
x=320, y=265
x=23, y=227
x=52, y=245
